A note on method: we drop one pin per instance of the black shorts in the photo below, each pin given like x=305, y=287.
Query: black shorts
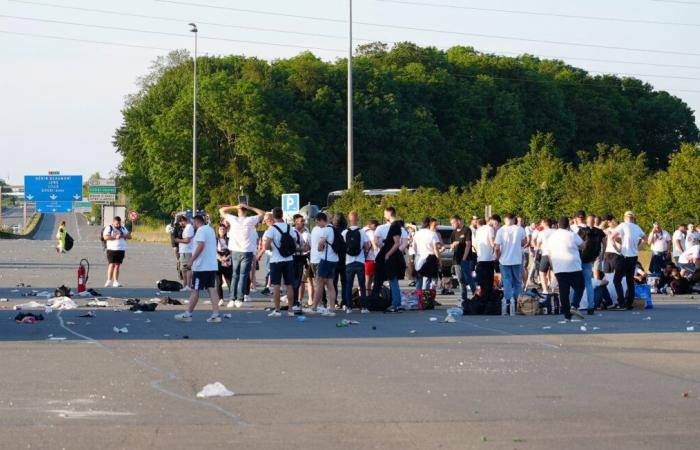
x=545, y=263
x=204, y=280
x=115, y=256
x=282, y=270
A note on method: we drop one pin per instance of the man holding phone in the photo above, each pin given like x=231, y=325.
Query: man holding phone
x=115, y=236
x=242, y=246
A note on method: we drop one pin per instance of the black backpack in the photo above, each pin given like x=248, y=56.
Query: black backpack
x=592, y=240
x=168, y=285
x=102, y=236
x=353, y=242
x=287, y=244
x=338, y=244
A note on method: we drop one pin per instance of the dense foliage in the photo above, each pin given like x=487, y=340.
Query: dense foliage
x=541, y=184
x=423, y=117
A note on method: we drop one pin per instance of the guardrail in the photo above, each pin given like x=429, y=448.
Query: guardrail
x=32, y=228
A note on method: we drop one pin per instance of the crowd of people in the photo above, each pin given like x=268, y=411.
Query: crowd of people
x=564, y=261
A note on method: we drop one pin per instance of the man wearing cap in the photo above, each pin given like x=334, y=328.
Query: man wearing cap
x=627, y=238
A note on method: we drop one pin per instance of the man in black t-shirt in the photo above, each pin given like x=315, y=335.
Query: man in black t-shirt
x=463, y=257
x=592, y=245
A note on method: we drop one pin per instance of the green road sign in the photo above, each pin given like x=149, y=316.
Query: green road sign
x=82, y=205
x=103, y=189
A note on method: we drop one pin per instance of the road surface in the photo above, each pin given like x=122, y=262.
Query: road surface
x=14, y=215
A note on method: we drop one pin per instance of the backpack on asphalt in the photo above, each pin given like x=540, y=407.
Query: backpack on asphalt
x=353, y=242
x=168, y=285
x=287, y=246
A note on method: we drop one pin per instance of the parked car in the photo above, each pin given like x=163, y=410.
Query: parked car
x=446, y=253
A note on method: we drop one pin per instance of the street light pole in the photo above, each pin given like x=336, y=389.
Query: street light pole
x=350, y=134
x=194, y=126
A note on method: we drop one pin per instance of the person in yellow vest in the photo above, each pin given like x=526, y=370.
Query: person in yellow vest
x=61, y=236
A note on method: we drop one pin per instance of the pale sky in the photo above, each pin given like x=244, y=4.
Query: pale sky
x=61, y=99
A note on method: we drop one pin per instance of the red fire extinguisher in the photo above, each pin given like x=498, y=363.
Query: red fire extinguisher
x=83, y=273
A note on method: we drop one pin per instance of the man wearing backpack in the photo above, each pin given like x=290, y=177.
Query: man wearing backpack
x=592, y=245
x=115, y=236
x=324, y=259
x=356, y=246
x=281, y=239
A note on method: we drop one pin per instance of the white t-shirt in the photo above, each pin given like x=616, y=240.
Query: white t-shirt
x=678, y=235
x=425, y=241
x=363, y=240
x=112, y=231
x=692, y=253
x=542, y=237
x=691, y=238
x=630, y=234
x=304, y=237
x=206, y=261
x=188, y=232
x=371, y=255
x=242, y=236
x=563, y=250
x=382, y=231
x=610, y=243
x=482, y=243
x=328, y=253
x=510, y=238
x=276, y=237
x=660, y=242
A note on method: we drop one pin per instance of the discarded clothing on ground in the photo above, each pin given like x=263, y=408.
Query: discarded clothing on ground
x=28, y=318
x=146, y=307
x=30, y=305
x=62, y=303
x=62, y=291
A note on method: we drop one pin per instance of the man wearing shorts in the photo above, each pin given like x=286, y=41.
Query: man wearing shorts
x=185, y=249
x=115, y=237
x=371, y=254
x=204, y=270
x=322, y=237
x=281, y=267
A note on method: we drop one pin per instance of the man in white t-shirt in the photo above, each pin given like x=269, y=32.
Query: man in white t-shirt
x=115, y=237
x=627, y=238
x=563, y=247
x=690, y=259
x=660, y=242
x=485, y=257
x=611, y=254
x=692, y=235
x=371, y=254
x=204, y=270
x=678, y=242
x=545, y=264
x=242, y=241
x=509, y=243
x=426, y=243
x=326, y=261
x=185, y=249
x=357, y=245
x=277, y=240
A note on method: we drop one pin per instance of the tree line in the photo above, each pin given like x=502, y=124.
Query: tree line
x=423, y=117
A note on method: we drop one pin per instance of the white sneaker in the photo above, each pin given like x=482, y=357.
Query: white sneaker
x=108, y=283
x=230, y=304
x=310, y=311
x=246, y=298
x=238, y=303
x=214, y=319
x=284, y=298
x=347, y=310
x=321, y=309
x=184, y=317
x=116, y=284
x=290, y=313
x=221, y=303
x=275, y=314
x=185, y=289
x=296, y=308
x=328, y=313
x=364, y=311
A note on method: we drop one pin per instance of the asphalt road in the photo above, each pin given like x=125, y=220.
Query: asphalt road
x=631, y=380
x=14, y=215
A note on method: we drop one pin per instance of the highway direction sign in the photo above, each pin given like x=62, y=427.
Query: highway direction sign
x=103, y=189
x=54, y=207
x=102, y=198
x=53, y=188
x=102, y=182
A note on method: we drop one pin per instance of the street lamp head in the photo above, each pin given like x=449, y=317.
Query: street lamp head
x=194, y=27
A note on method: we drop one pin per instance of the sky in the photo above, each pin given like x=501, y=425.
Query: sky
x=62, y=97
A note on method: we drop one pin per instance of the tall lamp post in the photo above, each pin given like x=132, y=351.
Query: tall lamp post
x=350, y=141
x=194, y=126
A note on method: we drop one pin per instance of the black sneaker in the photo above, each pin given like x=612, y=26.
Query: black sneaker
x=391, y=309
x=591, y=312
x=265, y=291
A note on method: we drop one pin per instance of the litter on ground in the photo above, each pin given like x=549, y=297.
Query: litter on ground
x=62, y=303
x=214, y=390
x=120, y=330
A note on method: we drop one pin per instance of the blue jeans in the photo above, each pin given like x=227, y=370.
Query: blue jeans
x=588, y=282
x=512, y=284
x=395, y=292
x=419, y=282
x=352, y=270
x=463, y=271
x=241, y=263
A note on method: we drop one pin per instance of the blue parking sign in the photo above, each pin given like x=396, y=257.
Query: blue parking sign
x=290, y=203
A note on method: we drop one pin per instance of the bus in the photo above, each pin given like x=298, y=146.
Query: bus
x=376, y=193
